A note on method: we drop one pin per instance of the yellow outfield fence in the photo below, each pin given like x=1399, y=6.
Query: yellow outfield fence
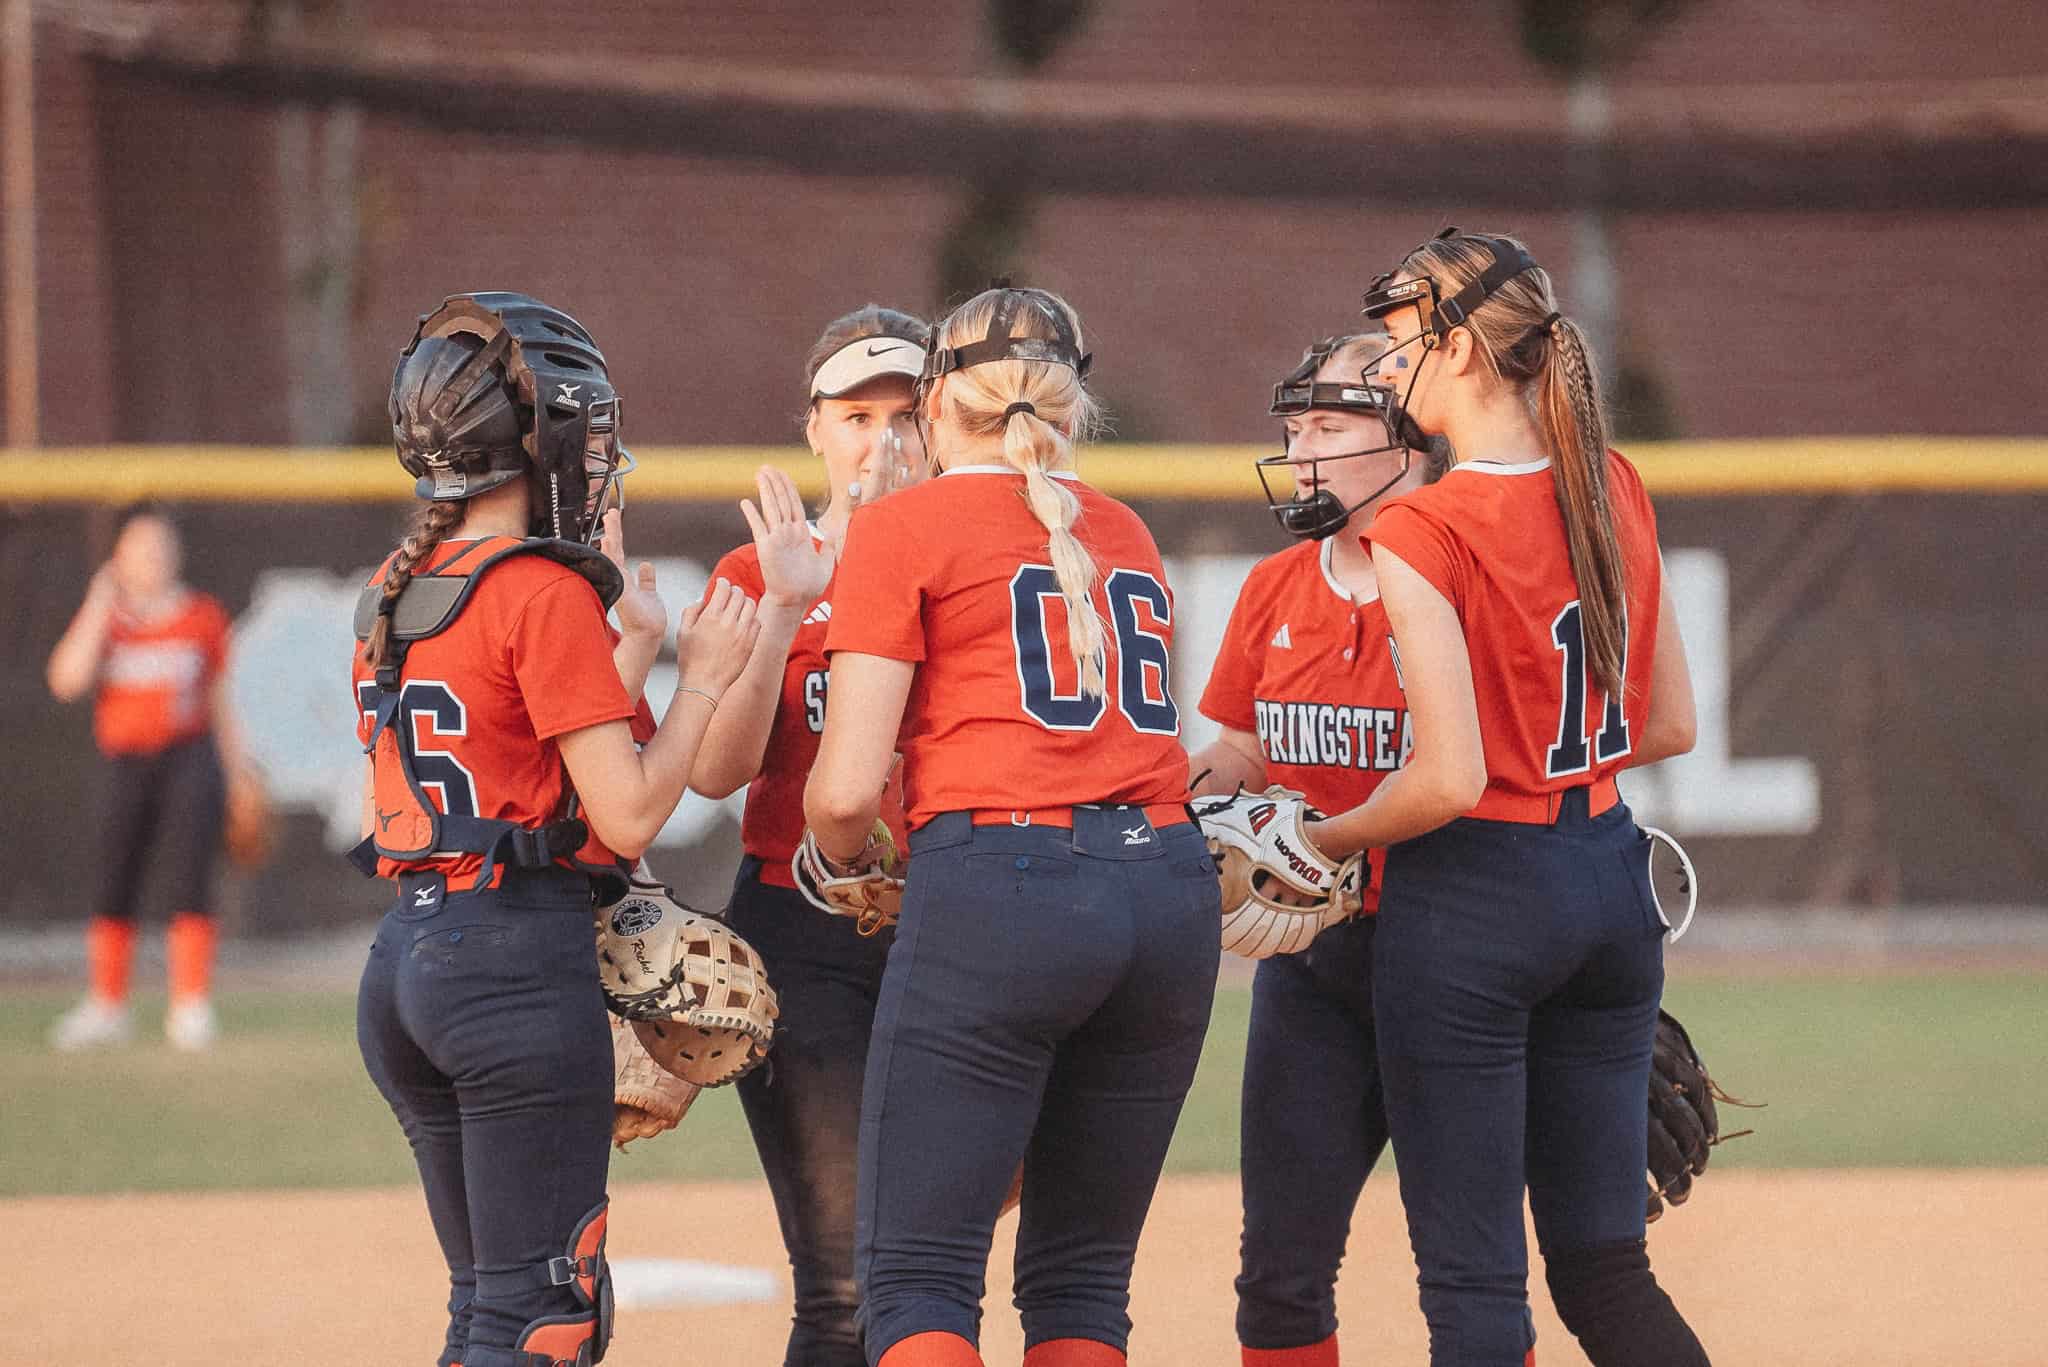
x=119, y=474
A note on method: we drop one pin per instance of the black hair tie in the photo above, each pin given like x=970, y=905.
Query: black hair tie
x=1548, y=323
x=1022, y=406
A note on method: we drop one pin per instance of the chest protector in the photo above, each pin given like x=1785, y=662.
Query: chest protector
x=427, y=606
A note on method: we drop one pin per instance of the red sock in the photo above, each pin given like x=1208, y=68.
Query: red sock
x=1323, y=1354
x=933, y=1348
x=1073, y=1353
x=188, y=945
x=109, y=951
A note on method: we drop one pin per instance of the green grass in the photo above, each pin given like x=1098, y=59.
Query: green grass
x=1921, y=1070
x=1926, y=1070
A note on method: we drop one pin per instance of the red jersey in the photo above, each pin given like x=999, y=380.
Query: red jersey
x=528, y=659
x=156, y=678
x=773, y=823
x=1310, y=672
x=953, y=574
x=1491, y=540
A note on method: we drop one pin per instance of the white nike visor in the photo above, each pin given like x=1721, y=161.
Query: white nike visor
x=870, y=358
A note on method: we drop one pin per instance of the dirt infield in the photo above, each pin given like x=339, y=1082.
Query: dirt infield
x=1790, y=1269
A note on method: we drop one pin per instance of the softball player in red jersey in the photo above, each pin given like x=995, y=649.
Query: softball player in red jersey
x=153, y=653
x=492, y=693
x=805, y=1110
x=1306, y=690
x=1519, y=954
x=1006, y=627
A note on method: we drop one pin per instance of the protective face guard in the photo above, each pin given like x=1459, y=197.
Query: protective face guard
x=605, y=474
x=1322, y=515
x=1435, y=316
x=557, y=371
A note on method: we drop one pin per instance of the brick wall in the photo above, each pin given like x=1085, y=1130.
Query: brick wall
x=164, y=286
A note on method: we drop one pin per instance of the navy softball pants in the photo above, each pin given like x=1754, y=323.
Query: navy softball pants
x=1516, y=976
x=1045, y=1000
x=1313, y=1123
x=173, y=801
x=481, y=1023
x=803, y=1105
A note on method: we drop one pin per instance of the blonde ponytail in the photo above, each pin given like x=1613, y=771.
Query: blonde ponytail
x=429, y=529
x=1575, y=430
x=1034, y=446
x=1040, y=408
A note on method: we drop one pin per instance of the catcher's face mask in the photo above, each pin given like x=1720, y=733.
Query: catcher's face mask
x=1309, y=448
x=1062, y=348
x=606, y=463
x=1412, y=310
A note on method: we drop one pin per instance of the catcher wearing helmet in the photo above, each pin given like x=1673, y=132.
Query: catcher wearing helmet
x=503, y=787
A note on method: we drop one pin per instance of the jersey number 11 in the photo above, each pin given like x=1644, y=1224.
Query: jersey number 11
x=1568, y=755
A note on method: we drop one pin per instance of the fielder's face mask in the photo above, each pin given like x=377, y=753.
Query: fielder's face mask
x=1322, y=514
x=1062, y=348
x=1434, y=317
x=572, y=453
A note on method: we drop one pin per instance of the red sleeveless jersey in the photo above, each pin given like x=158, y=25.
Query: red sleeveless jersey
x=528, y=659
x=1310, y=672
x=773, y=824
x=1490, y=538
x=156, y=678
x=954, y=575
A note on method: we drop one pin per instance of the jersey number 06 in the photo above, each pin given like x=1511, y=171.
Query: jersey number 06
x=1137, y=674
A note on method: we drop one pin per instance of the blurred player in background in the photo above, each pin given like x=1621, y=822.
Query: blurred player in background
x=504, y=787
x=1049, y=986
x=804, y=1109
x=1519, y=956
x=1308, y=696
x=153, y=653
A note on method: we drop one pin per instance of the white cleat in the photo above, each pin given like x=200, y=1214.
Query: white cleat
x=190, y=1026
x=92, y=1024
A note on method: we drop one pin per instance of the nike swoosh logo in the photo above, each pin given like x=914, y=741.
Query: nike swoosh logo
x=878, y=350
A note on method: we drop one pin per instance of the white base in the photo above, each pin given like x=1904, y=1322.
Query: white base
x=656, y=1283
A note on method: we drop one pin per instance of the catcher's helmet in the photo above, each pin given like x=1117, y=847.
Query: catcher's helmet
x=498, y=385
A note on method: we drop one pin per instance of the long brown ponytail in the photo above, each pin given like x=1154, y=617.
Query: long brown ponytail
x=1524, y=339
x=429, y=528
x=1575, y=431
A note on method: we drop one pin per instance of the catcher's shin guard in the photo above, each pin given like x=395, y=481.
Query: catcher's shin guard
x=1609, y=1299
x=573, y=1340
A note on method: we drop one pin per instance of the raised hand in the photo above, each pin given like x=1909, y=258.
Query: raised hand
x=885, y=469
x=794, y=568
x=715, y=638
x=641, y=611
